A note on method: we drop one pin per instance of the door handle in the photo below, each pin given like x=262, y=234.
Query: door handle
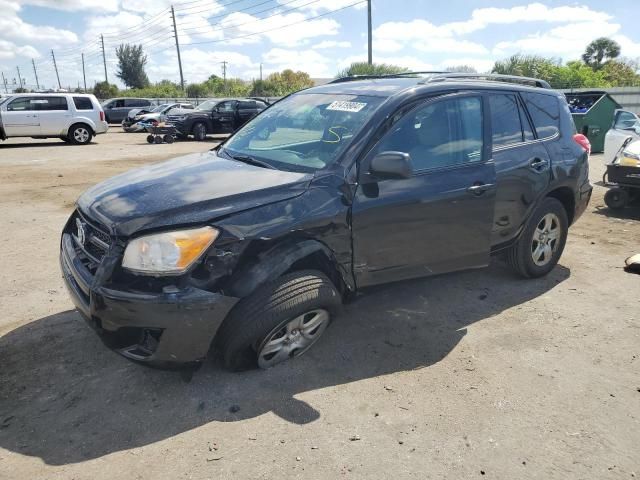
x=480, y=188
x=538, y=164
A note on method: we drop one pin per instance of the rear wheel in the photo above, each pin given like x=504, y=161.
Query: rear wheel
x=200, y=132
x=616, y=198
x=150, y=138
x=157, y=140
x=279, y=321
x=542, y=241
x=80, y=134
x=168, y=138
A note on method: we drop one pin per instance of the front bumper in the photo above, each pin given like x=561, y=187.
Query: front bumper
x=167, y=329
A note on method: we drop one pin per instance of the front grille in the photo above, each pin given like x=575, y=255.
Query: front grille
x=91, y=244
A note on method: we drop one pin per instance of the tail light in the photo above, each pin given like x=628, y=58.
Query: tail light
x=101, y=116
x=583, y=141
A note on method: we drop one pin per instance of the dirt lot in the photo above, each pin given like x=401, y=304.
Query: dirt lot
x=471, y=375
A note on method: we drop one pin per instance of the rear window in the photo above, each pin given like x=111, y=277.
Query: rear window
x=53, y=103
x=505, y=120
x=545, y=113
x=82, y=103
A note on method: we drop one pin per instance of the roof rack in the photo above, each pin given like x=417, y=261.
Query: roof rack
x=352, y=78
x=536, y=82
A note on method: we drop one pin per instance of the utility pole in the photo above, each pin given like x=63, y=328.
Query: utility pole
x=261, y=79
x=224, y=74
x=104, y=60
x=56, y=67
x=370, y=33
x=19, y=77
x=175, y=34
x=4, y=82
x=35, y=72
x=84, y=76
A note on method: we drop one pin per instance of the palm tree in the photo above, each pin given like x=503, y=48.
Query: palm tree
x=600, y=49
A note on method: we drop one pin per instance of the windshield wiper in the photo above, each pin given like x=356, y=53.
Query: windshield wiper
x=249, y=160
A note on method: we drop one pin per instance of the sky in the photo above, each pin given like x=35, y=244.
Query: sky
x=317, y=36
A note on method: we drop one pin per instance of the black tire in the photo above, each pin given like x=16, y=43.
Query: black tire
x=168, y=139
x=199, y=132
x=616, y=198
x=80, y=134
x=150, y=138
x=254, y=319
x=157, y=140
x=521, y=255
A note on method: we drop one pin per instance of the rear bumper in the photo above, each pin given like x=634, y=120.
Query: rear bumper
x=582, y=200
x=101, y=127
x=160, y=329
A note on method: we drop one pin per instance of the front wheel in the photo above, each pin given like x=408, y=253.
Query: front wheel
x=542, y=241
x=279, y=321
x=80, y=134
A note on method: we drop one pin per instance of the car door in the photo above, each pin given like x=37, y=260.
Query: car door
x=439, y=219
x=625, y=124
x=522, y=162
x=20, y=117
x=115, y=110
x=247, y=109
x=55, y=116
x=224, y=117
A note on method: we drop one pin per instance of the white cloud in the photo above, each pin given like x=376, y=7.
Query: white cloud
x=566, y=42
x=9, y=50
x=323, y=6
x=331, y=44
x=75, y=5
x=310, y=61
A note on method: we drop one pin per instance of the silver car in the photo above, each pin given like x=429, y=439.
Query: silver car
x=625, y=124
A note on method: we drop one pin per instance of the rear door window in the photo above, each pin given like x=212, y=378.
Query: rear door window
x=625, y=120
x=505, y=120
x=53, y=104
x=545, y=113
x=250, y=105
x=82, y=103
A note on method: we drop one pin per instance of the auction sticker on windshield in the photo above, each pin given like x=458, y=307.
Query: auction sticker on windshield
x=342, y=106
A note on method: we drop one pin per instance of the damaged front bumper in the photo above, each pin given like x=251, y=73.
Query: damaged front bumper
x=167, y=329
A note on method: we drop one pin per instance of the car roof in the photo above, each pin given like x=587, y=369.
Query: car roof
x=387, y=87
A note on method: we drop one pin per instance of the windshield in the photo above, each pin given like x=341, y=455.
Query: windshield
x=207, y=106
x=304, y=132
x=160, y=108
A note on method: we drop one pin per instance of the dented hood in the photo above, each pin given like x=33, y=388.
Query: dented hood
x=197, y=188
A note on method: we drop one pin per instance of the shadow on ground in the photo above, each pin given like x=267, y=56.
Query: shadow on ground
x=630, y=212
x=64, y=398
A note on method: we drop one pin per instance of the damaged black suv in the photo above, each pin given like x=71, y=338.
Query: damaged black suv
x=250, y=249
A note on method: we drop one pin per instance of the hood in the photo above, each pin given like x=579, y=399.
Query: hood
x=197, y=188
x=136, y=111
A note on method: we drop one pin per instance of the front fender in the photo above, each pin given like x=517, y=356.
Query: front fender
x=274, y=262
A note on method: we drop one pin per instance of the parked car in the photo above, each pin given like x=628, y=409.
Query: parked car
x=137, y=117
x=625, y=124
x=117, y=109
x=252, y=247
x=74, y=118
x=216, y=117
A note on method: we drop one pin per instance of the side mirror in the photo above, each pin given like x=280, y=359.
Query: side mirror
x=391, y=165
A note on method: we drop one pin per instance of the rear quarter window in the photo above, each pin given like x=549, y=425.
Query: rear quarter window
x=545, y=113
x=82, y=103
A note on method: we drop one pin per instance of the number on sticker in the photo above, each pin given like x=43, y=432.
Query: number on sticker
x=342, y=106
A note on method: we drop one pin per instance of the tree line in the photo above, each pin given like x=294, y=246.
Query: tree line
x=600, y=66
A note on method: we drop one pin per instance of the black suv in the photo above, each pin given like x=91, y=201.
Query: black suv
x=216, y=117
x=252, y=247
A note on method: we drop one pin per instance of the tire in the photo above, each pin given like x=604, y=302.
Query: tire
x=538, y=249
x=200, y=132
x=150, y=138
x=157, y=140
x=616, y=198
x=257, y=321
x=168, y=139
x=80, y=134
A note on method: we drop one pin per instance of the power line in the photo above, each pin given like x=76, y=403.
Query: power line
x=280, y=27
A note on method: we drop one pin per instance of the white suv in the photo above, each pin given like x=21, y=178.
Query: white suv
x=72, y=117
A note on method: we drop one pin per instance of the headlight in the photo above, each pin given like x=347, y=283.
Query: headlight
x=169, y=252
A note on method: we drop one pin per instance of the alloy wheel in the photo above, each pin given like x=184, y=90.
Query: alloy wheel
x=546, y=239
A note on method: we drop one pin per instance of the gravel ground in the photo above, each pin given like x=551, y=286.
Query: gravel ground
x=470, y=375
